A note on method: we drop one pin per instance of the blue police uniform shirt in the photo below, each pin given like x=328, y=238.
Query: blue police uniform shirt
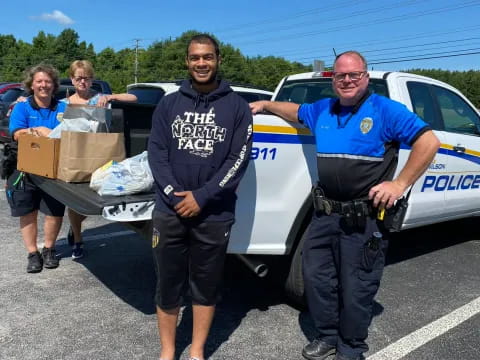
x=25, y=116
x=357, y=150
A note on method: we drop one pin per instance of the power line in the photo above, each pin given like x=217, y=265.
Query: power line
x=421, y=57
x=351, y=26
x=261, y=22
x=382, y=40
x=326, y=19
x=407, y=49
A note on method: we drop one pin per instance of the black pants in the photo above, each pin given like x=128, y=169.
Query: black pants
x=188, y=255
x=342, y=276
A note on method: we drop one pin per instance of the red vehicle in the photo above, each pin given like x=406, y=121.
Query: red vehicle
x=4, y=87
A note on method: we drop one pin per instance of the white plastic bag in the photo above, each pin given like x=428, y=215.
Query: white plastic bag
x=76, y=125
x=129, y=176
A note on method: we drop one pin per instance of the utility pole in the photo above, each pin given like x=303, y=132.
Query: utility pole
x=136, y=58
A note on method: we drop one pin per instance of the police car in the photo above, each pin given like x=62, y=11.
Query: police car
x=274, y=203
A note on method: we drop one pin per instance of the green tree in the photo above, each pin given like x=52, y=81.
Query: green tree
x=43, y=48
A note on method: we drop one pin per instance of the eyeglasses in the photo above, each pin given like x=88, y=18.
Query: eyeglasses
x=80, y=78
x=353, y=76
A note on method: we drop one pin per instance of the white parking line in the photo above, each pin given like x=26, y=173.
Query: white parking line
x=413, y=341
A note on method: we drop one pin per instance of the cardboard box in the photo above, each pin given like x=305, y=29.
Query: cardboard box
x=38, y=155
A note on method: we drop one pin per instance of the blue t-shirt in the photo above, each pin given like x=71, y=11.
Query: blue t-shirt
x=24, y=116
x=357, y=150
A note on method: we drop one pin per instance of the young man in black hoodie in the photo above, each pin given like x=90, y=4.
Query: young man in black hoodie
x=198, y=151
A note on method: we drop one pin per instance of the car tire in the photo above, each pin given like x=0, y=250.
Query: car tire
x=294, y=285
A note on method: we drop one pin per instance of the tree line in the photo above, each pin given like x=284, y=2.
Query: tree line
x=164, y=60
x=161, y=61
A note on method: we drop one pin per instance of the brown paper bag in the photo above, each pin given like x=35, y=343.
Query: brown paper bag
x=82, y=153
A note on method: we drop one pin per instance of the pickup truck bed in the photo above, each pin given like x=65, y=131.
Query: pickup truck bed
x=82, y=199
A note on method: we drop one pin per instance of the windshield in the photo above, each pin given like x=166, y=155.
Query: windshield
x=311, y=90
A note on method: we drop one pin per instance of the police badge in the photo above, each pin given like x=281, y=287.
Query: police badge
x=366, y=125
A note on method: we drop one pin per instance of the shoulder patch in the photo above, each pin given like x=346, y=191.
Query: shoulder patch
x=60, y=116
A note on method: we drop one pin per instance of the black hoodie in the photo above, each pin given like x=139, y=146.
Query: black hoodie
x=200, y=143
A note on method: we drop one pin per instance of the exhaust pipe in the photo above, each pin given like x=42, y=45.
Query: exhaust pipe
x=257, y=266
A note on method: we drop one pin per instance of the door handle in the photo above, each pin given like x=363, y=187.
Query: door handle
x=459, y=149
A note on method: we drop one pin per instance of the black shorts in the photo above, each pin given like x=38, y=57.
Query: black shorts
x=188, y=256
x=25, y=197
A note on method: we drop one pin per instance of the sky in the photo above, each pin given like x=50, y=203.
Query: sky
x=393, y=35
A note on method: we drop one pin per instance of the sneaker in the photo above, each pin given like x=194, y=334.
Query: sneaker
x=50, y=258
x=77, y=251
x=35, y=262
x=70, y=238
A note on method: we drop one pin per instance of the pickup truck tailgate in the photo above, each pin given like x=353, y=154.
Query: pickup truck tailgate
x=79, y=197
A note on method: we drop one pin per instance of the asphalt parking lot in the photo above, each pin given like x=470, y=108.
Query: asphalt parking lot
x=101, y=307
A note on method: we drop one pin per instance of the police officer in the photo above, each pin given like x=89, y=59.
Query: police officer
x=344, y=250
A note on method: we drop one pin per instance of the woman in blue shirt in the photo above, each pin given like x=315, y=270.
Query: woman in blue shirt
x=38, y=116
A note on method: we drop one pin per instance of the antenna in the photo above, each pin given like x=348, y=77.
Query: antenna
x=334, y=52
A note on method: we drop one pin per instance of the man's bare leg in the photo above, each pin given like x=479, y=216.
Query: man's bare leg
x=167, y=330
x=202, y=320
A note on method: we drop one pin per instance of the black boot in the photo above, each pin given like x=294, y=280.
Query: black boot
x=318, y=350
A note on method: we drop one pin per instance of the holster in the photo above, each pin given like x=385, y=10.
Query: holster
x=393, y=218
x=320, y=202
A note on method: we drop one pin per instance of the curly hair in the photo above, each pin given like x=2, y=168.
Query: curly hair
x=45, y=68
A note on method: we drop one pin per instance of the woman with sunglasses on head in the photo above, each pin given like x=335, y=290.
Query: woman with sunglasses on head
x=82, y=74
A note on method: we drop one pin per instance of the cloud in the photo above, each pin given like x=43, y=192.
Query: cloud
x=57, y=16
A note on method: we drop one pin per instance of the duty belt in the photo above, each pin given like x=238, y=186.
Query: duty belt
x=355, y=211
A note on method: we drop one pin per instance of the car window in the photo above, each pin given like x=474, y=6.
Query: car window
x=423, y=104
x=457, y=115
x=62, y=92
x=253, y=96
x=11, y=95
x=97, y=87
x=147, y=95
